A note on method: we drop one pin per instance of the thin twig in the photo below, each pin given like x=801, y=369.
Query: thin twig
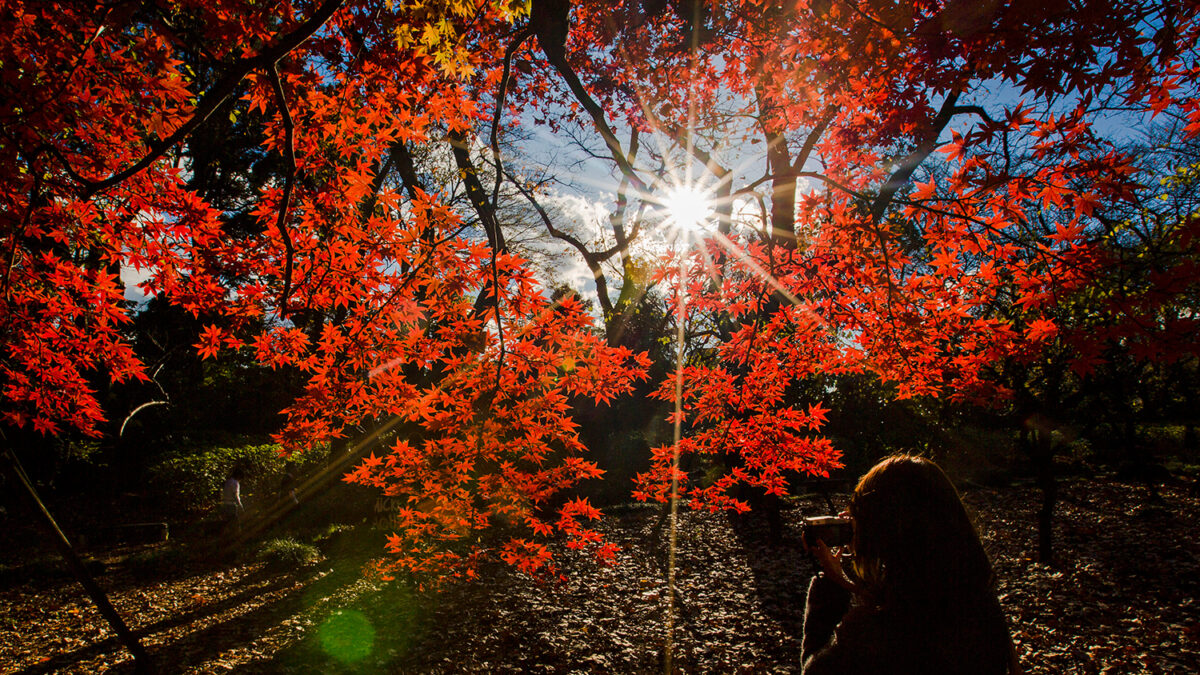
x=289, y=156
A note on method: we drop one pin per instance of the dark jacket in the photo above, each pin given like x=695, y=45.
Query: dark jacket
x=842, y=637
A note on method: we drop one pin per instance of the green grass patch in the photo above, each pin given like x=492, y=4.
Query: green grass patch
x=288, y=552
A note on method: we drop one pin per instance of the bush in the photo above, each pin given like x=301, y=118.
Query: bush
x=191, y=480
x=159, y=561
x=331, y=533
x=287, y=552
x=1165, y=439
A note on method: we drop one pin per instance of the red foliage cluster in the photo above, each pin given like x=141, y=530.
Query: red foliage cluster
x=898, y=253
x=958, y=210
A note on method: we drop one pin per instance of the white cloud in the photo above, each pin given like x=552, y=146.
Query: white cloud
x=133, y=277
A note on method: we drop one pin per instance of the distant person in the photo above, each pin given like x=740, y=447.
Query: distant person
x=917, y=595
x=231, y=499
x=287, y=485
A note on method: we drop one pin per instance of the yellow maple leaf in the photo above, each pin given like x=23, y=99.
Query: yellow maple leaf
x=430, y=36
x=403, y=35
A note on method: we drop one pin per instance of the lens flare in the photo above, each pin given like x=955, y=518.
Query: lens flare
x=347, y=635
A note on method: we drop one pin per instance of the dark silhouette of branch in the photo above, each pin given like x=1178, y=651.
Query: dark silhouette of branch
x=973, y=110
x=811, y=142
x=909, y=164
x=484, y=208
x=516, y=43
x=218, y=93
x=592, y=260
x=550, y=22
x=407, y=168
x=289, y=156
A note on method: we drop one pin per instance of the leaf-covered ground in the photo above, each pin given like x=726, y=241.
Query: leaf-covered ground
x=1124, y=599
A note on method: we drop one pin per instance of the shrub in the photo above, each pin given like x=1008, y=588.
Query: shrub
x=331, y=532
x=159, y=561
x=287, y=552
x=1165, y=439
x=191, y=480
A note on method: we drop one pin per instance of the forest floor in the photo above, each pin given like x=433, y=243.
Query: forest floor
x=1124, y=598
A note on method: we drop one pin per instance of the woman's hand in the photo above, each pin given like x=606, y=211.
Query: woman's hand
x=831, y=561
x=831, y=564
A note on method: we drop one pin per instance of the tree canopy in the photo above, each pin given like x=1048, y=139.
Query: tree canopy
x=932, y=193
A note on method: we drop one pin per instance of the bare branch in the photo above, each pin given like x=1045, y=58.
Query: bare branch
x=485, y=209
x=811, y=142
x=551, y=22
x=973, y=110
x=147, y=404
x=592, y=260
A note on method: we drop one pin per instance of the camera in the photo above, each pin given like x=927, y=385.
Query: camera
x=832, y=530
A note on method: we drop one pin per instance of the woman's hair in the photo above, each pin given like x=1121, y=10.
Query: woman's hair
x=915, y=549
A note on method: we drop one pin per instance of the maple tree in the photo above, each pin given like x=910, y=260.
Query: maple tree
x=387, y=300
x=943, y=186
x=937, y=188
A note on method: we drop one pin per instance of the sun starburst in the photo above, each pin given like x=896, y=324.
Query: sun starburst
x=687, y=207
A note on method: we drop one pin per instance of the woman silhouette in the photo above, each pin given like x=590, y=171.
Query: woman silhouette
x=917, y=596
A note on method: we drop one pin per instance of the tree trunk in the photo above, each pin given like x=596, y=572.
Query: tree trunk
x=1043, y=458
x=783, y=191
x=140, y=658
